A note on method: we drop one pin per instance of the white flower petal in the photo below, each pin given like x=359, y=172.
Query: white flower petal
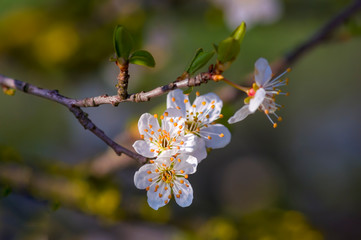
x=194, y=146
x=144, y=148
x=257, y=100
x=141, y=177
x=158, y=197
x=209, y=104
x=145, y=121
x=179, y=100
x=263, y=72
x=186, y=196
x=188, y=164
x=219, y=136
x=241, y=114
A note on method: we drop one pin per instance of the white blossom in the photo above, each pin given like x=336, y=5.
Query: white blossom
x=169, y=136
x=262, y=94
x=166, y=177
x=200, y=117
x=252, y=12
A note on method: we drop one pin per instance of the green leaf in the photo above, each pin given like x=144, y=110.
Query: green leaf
x=200, y=59
x=188, y=90
x=142, y=57
x=239, y=32
x=228, y=50
x=123, y=42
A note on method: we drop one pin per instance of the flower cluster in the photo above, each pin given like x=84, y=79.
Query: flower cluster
x=262, y=93
x=177, y=141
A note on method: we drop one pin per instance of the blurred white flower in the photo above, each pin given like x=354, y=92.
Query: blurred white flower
x=167, y=176
x=262, y=94
x=250, y=11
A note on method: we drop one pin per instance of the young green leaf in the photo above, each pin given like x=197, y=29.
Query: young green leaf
x=142, y=57
x=239, y=32
x=200, y=59
x=228, y=50
x=123, y=42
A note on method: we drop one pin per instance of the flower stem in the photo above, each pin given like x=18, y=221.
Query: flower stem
x=244, y=89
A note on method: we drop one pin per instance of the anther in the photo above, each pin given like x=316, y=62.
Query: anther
x=150, y=180
x=180, y=191
x=178, y=107
x=171, y=120
x=150, y=126
x=145, y=130
x=266, y=111
x=194, y=105
x=166, y=188
x=157, y=170
x=166, y=201
x=173, y=99
x=181, y=181
x=287, y=94
x=209, y=137
x=155, y=115
x=178, y=195
x=179, y=160
x=181, y=143
x=152, y=150
x=170, y=196
x=197, y=94
x=279, y=119
x=175, y=124
x=289, y=69
x=149, y=172
x=181, y=126
x=213, y=106
x=181, y=171
x=186, y=176
x=220, y=115
x=203, y=103
x=147, y=188
x=152, y=161
x=159, y=130
x=162, y=117
x=166, y=114
x=142, y=136
x=185, y=100
x=221, y=135
x=152, y=132
x=151, y=139
x=274, y=125
x=160, y=195
x=172, y=159
x=207, y=116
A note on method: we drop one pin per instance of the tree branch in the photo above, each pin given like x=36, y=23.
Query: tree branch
x=324, y=33
x=53, y=95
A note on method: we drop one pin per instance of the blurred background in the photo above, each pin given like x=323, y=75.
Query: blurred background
x=301, y=180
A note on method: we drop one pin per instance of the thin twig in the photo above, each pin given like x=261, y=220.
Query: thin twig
x=324, y=33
